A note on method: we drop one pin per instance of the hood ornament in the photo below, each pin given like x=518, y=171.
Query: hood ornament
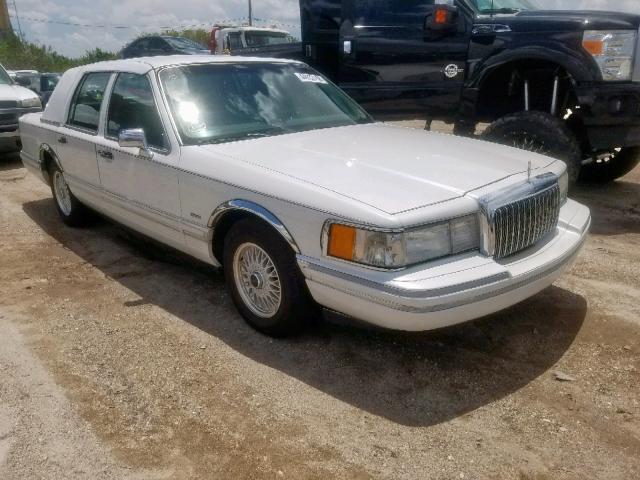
x=529, y=172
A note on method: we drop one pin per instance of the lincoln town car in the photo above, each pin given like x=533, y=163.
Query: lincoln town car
x=266, y=169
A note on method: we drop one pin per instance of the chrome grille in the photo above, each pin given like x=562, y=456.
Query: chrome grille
x=524, y=222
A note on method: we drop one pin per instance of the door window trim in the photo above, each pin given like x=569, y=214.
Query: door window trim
x=74, y=97
x=105, y=118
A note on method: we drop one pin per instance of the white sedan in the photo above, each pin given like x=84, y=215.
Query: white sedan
x=267, y=169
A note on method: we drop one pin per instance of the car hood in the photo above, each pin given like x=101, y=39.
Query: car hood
x=15, y=92
x=390, y=168
x=568, y=20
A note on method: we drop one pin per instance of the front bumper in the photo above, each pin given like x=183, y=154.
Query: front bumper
x=611, y=114
x=450, y=291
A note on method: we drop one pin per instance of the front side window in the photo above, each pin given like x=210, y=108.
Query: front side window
x=215, y=103
x=505, y=6
x=85, y=109
x=404, y=13
x=132, y=106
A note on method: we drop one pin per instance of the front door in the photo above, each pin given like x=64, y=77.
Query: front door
x=142, y=188
x=396, y=64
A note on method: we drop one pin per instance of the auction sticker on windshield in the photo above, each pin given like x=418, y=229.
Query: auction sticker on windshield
x=309, y=77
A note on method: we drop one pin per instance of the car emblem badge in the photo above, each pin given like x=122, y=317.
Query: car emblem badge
x=452, y=70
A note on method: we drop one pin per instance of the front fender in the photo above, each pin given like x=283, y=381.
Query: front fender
x=566, y=54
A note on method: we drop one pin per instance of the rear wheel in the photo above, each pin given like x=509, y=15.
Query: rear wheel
x=265, y=282
x=538, y=132
x=72, y=212
x=611, y=167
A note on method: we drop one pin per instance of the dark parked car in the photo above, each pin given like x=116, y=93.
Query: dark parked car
x=153, y=46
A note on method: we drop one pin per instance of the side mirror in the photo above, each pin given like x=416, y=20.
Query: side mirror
x=134, y=138
x=444, y=19
x=23, y=81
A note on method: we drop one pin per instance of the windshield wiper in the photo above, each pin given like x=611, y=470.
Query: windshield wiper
x=501, y=10
x=243, y=136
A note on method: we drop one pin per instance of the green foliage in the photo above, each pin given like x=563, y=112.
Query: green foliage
x=16, y=54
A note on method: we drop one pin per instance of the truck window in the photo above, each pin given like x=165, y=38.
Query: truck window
x=375, y=13
x=259, y=39
x=235, y=41
x=85, y=108
x=132, y=106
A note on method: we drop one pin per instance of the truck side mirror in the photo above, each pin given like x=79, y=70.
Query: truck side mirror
x=444, y=19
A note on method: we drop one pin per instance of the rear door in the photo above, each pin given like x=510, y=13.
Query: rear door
x=395, y=65
x=75, y=142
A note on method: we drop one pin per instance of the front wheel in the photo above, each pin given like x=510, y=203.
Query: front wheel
x=265, y=282
x=613, y=166
x=72, y=212
x=541, y=133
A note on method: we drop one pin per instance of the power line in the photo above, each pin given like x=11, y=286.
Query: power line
x=142, y=27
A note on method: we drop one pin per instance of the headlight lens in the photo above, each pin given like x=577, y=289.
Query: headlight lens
x=563, y=184
x=400, y=249
x=31, y=103
x=613, y=51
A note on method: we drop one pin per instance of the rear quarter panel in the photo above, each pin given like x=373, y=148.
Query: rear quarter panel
x=35, y=135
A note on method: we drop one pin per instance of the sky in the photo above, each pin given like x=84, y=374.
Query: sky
x=99, y=18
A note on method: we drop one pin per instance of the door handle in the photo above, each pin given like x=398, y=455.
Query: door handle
x=105, y=154
x=62, y=139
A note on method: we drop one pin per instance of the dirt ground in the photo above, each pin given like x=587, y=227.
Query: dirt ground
x=120, y=359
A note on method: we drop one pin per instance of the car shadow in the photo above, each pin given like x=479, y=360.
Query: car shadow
x=414, y=379
x=10, y=161
x=615, y=207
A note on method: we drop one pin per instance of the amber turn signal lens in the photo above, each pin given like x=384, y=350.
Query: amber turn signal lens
x=594, y=47
x=342, y=239
x=441, y=16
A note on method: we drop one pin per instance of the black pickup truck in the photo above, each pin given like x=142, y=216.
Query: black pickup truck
x=564, y=83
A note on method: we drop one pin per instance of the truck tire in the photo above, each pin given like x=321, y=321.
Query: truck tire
x=541, y=133
x=618, y=165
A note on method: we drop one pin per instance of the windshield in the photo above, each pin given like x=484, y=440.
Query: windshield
x=258, y=39
x=226, y=102
x=181, y=42
x=505, y=6
x=5, y=79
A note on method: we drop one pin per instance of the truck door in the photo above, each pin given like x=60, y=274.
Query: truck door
x=405, y=58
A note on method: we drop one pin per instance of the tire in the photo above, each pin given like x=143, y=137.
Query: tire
x=277, y=305
x=72, y=212
x=541, y=133
x=464, y=129
x=618, y=165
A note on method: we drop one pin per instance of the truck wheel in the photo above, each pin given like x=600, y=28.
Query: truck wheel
x=72, y=212
x=538, y=132
x=617, y=165
x=265, y=282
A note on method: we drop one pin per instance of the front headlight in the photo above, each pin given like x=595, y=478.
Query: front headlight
x=613, y=51
x=400, y=249
x=563, y=185
x=31, y=103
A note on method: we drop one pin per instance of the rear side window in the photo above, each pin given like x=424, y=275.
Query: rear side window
x=132, y=106
x=85, y=109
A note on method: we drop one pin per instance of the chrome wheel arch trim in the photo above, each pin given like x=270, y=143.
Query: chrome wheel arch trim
x=45, y=148
x=254, y=209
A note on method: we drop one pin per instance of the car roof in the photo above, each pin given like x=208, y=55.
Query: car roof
x=143, y=65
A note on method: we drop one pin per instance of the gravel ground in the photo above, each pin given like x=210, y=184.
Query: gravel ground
x=121, y=359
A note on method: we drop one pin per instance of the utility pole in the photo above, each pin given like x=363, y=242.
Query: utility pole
x=250, y=14
x=5, y=20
